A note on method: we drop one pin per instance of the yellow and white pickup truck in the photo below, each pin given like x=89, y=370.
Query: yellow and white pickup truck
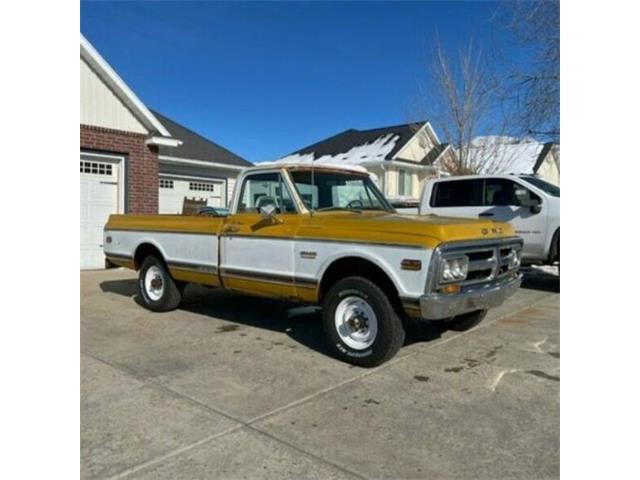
x=325, y=235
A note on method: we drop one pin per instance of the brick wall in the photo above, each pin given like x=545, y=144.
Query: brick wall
x=142, y=163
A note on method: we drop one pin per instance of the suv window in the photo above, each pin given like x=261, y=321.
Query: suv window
x=457, y=193
x=263, y=189
x=500, y=192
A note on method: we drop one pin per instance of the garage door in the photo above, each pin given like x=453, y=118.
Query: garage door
x=173, y=190
x=100, y=196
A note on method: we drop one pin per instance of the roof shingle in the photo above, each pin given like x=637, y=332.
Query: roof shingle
x=345, y=141
x=197, y=147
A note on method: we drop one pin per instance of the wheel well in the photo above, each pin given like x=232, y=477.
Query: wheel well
x=554, y=252
x=142, y=252
x=356, y=266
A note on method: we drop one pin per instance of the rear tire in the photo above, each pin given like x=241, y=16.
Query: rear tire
x=157, y=289
x=467, y=321
x=361, y=325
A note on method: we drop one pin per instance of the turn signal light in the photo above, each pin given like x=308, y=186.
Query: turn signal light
x=453, y=288
x=411, y=264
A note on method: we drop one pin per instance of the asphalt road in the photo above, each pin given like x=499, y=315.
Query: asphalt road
x=230, y=386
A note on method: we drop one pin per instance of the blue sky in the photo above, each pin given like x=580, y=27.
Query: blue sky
x=264, y=79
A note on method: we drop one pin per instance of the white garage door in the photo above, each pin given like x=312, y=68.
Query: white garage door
x=100, y=196
x=173, y=190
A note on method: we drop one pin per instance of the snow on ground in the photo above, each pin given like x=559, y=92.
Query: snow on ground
x=376, y=150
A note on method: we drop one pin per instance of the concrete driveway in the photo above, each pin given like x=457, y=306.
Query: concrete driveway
x=230, y=386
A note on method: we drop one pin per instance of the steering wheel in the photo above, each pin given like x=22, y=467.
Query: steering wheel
x=355, y=204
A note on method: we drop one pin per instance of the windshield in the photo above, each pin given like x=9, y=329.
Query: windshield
x=543, y=185
x=330, y=190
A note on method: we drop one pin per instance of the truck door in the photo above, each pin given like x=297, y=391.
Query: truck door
x=503, y=202
x=257, y=252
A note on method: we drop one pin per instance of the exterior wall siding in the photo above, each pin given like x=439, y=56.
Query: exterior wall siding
x=417, y=148
x=549, y=171
x=100, y=107
x=142, y=164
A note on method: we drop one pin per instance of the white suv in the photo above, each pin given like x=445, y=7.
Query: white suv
x=530, y=204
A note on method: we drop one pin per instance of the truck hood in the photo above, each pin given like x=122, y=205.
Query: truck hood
x=428, y=230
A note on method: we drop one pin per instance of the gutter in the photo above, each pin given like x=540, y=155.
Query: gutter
x=199, y=163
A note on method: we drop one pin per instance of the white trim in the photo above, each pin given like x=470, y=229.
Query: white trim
x=192, y=177
x=441, y=154
x=163, y=141
x=201, y=163
x=430, y=132
x=399, y=164
x=433, y=133
x=111, y=78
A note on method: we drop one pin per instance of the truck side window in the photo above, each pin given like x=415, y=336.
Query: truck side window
x=264, y=189
x=500, y=192
x=457, y=193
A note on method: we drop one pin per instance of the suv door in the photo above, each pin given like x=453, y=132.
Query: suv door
x=257, y=253
x=457, y=198
x=503, y=204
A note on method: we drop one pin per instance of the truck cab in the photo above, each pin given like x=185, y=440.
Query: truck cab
x=531, y=205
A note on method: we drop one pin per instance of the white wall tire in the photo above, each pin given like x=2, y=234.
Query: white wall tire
x=360, y=323
x=156, y=288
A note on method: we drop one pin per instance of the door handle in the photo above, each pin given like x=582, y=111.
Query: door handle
x=486, y=214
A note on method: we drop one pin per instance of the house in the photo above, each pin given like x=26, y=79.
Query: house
x=197, y=168
x=401, y=157
x=133, y=160
x=502, y=154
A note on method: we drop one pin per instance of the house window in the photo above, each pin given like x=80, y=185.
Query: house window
x=96, y=168
x=164, y=183
x=201, y=186
x=405, y=183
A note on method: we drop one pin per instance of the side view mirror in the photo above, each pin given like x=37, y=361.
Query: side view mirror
x=268, y=211
x=526, y=200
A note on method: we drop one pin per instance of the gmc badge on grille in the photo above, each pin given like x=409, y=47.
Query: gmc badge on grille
x=493, y=230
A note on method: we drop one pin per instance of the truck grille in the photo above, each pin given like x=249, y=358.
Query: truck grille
x=489, y=260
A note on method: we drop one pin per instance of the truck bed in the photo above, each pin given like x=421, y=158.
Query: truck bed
x=189, y=244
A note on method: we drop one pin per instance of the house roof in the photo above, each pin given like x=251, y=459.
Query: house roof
x=349, y=139
x=196, y=147
x=109, y=76
x=434, y=153
x=546, y=148
x=503, y=154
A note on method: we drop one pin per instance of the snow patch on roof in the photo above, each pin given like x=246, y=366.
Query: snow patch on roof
x=366, y=153
x=501, y=154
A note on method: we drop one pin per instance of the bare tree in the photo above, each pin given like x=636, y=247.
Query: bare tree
x=534, y=86
x=463, y=97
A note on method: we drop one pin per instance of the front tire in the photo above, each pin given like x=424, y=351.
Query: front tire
x=158, y=291
x=360, y=323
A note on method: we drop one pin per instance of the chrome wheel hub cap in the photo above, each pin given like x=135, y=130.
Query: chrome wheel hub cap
x=356, y=323
x=153, y=284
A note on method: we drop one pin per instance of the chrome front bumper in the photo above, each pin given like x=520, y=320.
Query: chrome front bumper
x=435, y=306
